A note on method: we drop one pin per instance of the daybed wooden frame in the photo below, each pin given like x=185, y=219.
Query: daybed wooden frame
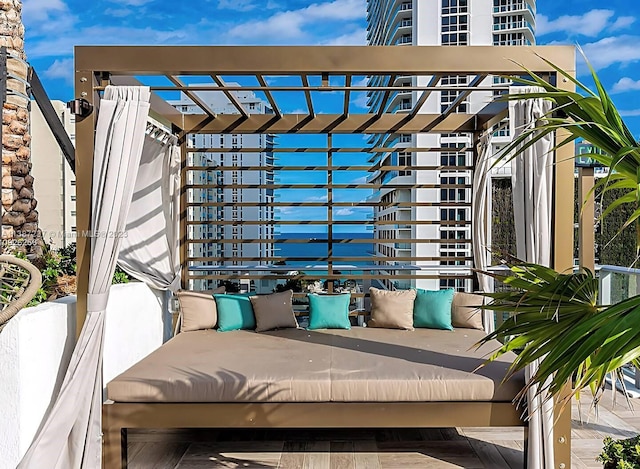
x=97, y=66
x=119, y=417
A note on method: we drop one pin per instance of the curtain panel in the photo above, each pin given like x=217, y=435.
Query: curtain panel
x=532, y=182
x=70, y=436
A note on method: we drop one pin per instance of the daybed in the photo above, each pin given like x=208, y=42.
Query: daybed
x=294, y=378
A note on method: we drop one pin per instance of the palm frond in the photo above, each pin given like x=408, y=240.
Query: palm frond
x=556, y=319
x=588, y=115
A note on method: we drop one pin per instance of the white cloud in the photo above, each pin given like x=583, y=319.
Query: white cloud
x=355, y=38
x=117, y=12
x=360, y=100
x=360, y=180
x=361, y=82
x=62, y=45
x=237, y=5
x=344, y=212
x=133, y=3
x=291, y=24
x=42, y=17
x=623, y=22
x=61, y=68
x=630, y=113
x=590, y=24
x=322, y=198
x=607, y=51
x=41, y=10
x=626, y=84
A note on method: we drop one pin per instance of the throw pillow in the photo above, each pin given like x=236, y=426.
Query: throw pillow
x=392, y=309
x=432, y=309
x=274, y=311
x=197, y=311
x=329, y=311
x=466, y=311
x=234, y=312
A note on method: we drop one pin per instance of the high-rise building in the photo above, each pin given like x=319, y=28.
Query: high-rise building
x=54, y=181
x=437, y=23
x=244, y=202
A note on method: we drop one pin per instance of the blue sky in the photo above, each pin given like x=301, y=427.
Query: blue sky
x=608, y=32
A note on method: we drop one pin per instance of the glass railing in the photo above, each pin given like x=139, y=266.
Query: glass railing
x=513, y=25
x=514, y=7
x=617, y=284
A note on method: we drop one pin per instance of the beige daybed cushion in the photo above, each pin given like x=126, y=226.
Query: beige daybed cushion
x=360, y=365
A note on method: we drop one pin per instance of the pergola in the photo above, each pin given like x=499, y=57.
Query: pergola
x=319, y=69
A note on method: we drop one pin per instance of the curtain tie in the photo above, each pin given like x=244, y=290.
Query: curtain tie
x=97, y=301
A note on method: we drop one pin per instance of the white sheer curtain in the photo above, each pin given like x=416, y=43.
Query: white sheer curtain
x=481, y=217
x=149, y=252
x=532, y=181
x=70, y=437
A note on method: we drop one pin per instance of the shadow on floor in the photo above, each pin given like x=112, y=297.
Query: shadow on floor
x=324, y=448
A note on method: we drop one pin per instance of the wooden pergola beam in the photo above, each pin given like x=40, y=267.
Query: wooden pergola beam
x=318, y=60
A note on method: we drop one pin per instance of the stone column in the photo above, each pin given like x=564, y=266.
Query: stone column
x=19, y=215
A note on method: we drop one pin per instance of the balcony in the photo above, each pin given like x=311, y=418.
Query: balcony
x=514, y=25
x=515, y=8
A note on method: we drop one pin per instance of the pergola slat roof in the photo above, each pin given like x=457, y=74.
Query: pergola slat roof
x=428, y=64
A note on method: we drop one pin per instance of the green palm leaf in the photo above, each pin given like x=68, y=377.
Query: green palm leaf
x=557, y=319
x=591, y=116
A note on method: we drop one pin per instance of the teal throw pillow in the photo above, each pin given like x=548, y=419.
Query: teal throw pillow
x=432, y=309
x=234, y=312
x=329, y=311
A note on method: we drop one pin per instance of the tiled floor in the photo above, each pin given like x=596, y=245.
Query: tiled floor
x=494, y=448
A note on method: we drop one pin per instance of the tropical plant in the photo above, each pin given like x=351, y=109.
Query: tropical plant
x=591, y=116
x=556, y=318
x=621, y=454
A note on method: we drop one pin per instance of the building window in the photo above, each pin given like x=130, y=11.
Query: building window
x=451, y=158
x=455, y=22
x=453, y=214
x=448, y=97
x=509, y=22
x=73, y=198
x=458, y=284
x=510, y=39
x=404, y=159
x=448, y=194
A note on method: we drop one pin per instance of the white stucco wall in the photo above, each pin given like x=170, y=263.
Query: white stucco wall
x=133, y=329
x=36, y=346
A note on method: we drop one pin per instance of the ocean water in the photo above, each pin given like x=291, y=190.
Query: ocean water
x=320, y=250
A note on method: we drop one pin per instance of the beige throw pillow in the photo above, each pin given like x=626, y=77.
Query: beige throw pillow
x=274, y=311
x=197, y=310
x=392, y=309
x=465, y=310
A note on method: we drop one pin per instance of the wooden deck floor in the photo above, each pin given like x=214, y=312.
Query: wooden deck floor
x=496, y=448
